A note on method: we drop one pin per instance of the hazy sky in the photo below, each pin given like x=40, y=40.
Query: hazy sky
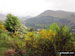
x=34, y=7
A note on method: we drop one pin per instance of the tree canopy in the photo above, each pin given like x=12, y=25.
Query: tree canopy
x=13, y=24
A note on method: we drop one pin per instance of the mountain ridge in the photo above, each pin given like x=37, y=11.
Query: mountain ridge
x=49, y=17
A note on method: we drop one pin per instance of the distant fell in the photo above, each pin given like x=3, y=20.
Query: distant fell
x=48, y=17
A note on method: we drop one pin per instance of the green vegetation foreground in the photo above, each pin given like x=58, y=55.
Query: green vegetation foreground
x=17, y=40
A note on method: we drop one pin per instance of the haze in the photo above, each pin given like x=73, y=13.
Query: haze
x=34, y=7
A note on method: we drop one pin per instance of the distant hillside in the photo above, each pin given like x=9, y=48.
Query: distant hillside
x=60, y=14
x=48, y=17
x=2, y=17
x=22, y=19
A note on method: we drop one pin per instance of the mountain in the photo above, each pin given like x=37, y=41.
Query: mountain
x=2, y=17
x=59, y=13
x=48, y=17
x=22, y=19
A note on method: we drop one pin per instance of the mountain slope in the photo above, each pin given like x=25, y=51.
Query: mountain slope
x=2, y=17
x=60, y=14
x=48, y=17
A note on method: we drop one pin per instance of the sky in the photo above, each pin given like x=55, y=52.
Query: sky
x=34, y=7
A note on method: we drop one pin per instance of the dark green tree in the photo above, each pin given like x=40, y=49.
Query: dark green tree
x=13, y=24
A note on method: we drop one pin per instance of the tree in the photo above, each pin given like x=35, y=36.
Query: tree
x=63, y=40
x=54, y=27
x=13, y=24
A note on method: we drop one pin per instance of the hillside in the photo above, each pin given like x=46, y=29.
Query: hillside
x=2, y=17
x=59, y=13
x=48, y=17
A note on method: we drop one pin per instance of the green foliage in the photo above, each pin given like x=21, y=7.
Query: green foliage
x=63, y=40
x=54, y=27
x=4, y=42
x=14, y=25
x=43, y=47
x=1, y=22
x=45, y=42
x=11, y=22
